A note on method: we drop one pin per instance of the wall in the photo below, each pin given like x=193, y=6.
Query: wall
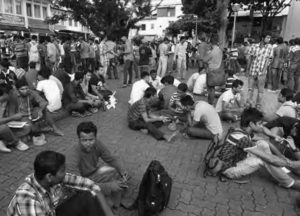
x=292, y=28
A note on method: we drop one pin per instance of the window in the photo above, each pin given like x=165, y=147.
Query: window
x=152, y=25
x=37, y=11
x=28, y=9
x=8, y=6
x=0, y=6
x=45, y=14
x=18, y=7
x=166, y=12
x=143, y=27
x=70, y=22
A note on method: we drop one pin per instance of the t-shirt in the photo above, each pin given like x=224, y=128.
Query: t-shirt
x=191, y=81
x=227, y=97
x=84, y=50
x=163, y=50
x=138, y=91
x=58, y=83
x=286, y=123
x=97, y=80
x=166, y=93
x=136, y=110
x=288, y=109
x=156, y=83
x=145, y=54
x=31, y=78
x=200, y=84
x=51, y=92
x=206, y=113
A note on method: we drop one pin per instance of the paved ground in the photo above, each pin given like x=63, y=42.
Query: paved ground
x=192, y=195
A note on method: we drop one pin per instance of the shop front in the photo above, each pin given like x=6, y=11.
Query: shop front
x=12, y=24
x=38, y=27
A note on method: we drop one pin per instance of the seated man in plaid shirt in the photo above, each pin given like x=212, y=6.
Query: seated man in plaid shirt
x=48, y=191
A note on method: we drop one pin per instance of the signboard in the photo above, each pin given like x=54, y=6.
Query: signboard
x=12, y=19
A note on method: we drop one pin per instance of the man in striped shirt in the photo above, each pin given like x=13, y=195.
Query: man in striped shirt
x=52, y=192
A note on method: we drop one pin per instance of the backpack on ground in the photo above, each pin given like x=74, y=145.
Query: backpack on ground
x=225, y=153
x=154, y=191
x=34, y=55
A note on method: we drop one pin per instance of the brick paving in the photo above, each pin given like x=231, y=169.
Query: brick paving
x=192, y=195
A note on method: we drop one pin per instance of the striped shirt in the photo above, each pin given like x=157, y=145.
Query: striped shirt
x=136, y=110
x=31, y=199
x=175, y=102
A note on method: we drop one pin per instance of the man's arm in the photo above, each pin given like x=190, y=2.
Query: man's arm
x=39, y=100
x=29, y=206
x=96, y=92
x=146, y=118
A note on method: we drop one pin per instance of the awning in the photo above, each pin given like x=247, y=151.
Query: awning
x=12, y=28
x=41, y=31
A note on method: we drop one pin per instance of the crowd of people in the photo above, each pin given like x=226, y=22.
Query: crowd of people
x=54, y=76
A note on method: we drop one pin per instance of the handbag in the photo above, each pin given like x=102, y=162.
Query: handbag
x=216, y=77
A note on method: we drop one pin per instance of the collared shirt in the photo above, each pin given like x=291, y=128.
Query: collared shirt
x=163, y=50
x=25, y=104
x=262, y=56
x=31, y=199
x=103, y=53
x=128, y=51
x=180, y=50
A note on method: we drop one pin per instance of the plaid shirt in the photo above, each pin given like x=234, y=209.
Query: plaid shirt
x=261, y=58
x=31, y=199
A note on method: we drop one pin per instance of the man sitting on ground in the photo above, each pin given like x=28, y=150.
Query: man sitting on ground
x=155, y=80
x=229, y=104
x=139, y=117
x=139, y=87
x=205, y=122
x=44, y=191
x=287, y=108
x=167, y=91
x=89, y=151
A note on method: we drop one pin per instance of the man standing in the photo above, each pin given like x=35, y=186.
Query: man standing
x=294, y=72
x=44, y=191
x=84, y=53
x=104, y=61
x=213, y=60
x=128, y=61
x=145, y=54
x=280, y=57
x=112, y=59
x=180, y=53
x=20, y=50
x=163, y=57
x=260, y=57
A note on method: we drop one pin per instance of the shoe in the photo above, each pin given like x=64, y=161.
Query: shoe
x=3, y=148
x=22, y=146
x=87, y=113
x=124, y=85
x=39, y=140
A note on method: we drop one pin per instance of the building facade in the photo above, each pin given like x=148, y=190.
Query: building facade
x=155, y=26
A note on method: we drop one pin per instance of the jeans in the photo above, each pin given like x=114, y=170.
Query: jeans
x=128, y=65
x=84, y=63
x=252, y=163
x=82, y=203
x=259, y=83
x=162, y=66
x=91, y=64
x=211, y=94
x=181, y=67
x=275, y=78
x=112, y=67
x=151, y=127
x=7, y=136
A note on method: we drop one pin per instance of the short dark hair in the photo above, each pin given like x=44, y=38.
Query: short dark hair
x=48, y=39
x=279, y=40
x=144, y=74
x=297, y=98
x=86, y=127
x=182, y=87
x=187, y=100
x=250, y=115
x=79, y=76
x=34, y=37
x=287, y=93
x=32, y=65
x=48, y=162
x=182, y=38
x=21, y=82
x=149, y=92
x=153, y=71
x=167, y=79
x=236, y=83
x=45, y=72
x=166, y=39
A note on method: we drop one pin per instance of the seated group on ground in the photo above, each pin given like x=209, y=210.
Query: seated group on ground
x=152, y=106
x=31, y=101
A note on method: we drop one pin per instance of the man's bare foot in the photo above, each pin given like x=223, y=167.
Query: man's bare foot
x=144, y=131
x=171, y=137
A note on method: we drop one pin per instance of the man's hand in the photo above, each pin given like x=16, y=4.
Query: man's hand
x=17, y=116
x=125, y=176
x=117, y=186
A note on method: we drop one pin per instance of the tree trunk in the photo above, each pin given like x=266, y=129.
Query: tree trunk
x=251, y=21
x=222, y=7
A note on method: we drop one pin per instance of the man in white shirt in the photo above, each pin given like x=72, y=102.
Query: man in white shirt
x=229, y=104
x=204, y=122
x=155, y=80
x=163, y=57
x=139, y=88
x=180, y=54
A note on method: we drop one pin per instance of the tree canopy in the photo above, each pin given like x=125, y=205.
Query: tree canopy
x=114, y=17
